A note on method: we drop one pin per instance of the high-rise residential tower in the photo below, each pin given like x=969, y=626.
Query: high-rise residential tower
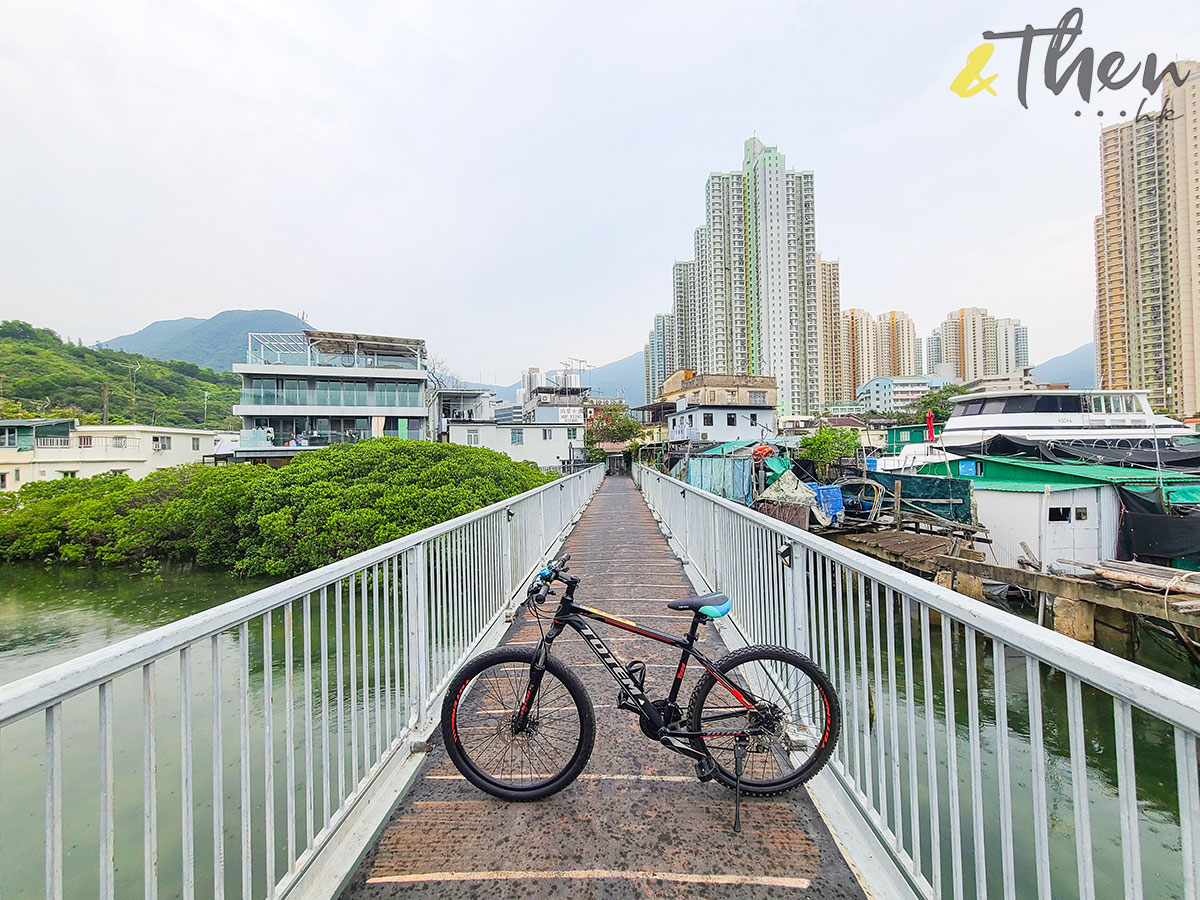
x=1147, y=324
x=858, y=351
x=683, y=276
x=968, y=338
x=750, y=301
x=829, y=330
x=660, y=354
x=1183, y=186
x=1012, y=346
x=898, y=349
x=933, y=351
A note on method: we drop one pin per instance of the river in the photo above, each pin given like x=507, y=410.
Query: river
x=48, y=616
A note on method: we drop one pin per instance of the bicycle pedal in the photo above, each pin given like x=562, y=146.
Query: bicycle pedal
x=705, y=769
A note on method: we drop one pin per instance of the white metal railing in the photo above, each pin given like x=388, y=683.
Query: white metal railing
x=1073, y=772
x=196, y=789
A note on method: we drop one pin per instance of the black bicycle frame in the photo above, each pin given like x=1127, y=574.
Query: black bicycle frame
x=571, y=614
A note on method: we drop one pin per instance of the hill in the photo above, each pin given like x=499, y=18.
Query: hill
x=45, y=376
x=215, y=343
x=1077, y=368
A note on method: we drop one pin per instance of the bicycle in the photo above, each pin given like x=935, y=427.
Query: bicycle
x=519, y=724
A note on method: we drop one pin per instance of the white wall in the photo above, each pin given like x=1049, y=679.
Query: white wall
x=546, y=452
x=720, y=430
x=1015, y=516
x=137, y=458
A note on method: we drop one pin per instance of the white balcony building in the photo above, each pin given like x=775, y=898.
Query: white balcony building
x=308, y=390
x=52, y=449
x=548, y=445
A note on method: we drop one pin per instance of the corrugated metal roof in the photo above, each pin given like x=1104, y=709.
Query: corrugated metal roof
x=1027, y=487
x=25, y=423
x=1062, y=473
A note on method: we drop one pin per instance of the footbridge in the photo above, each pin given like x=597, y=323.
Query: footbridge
x=288, y=740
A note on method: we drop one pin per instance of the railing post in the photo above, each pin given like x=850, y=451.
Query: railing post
x=416, y=648
x=506, y=554
x=795, y=612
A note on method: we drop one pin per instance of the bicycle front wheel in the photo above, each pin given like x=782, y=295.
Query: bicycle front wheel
x=484, y=741
x=793, y=725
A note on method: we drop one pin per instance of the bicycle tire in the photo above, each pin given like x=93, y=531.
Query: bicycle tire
x=494, y=745
x=768, y=665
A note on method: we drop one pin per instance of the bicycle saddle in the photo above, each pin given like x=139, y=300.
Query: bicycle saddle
x=712, y=605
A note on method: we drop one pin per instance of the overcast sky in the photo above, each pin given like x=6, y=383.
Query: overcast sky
x=512, y=181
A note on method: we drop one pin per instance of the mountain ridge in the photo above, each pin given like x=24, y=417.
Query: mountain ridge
x=213, y=343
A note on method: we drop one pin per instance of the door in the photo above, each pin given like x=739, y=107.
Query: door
x=1070, y=526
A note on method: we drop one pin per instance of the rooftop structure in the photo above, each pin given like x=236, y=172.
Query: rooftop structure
x=316, y=388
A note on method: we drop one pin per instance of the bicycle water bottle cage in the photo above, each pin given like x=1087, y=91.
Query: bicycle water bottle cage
x=637, y=674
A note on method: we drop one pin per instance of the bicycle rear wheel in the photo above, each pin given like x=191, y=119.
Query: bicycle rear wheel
x=479, y=716
x=796, y=715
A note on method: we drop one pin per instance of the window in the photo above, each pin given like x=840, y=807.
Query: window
x=69, y=474
x=993, y=406
x=1060, y=514
x=731, y=396
x=161, y=442
x=85, y=441
x=16, y=474
x=472, y=437
x=8, y=437
x=1024, y=404
x=572, y=434
x=689, y=420
x=195, y=443
x=3, y=480
x=117, y=471
x=547, y=434
x=758, y=397
x=730, y=418
x=1081, y=514
x=972, y=408
x=708, y=418
x=118, y=442
x=753, y=418
x=516, y=436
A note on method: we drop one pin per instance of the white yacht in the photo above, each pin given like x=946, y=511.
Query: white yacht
x=1106, y=420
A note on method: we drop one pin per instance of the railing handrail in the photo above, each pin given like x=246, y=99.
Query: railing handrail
x=39, y=690
x=1165, y=697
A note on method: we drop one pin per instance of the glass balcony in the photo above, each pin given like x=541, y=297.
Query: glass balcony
x=382, y=396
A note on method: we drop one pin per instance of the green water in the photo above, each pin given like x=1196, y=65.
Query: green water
x=50, y=616
x=1153, y=741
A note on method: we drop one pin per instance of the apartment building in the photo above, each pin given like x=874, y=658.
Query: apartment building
x=1183, y=190
x=748, y=303
x=548, y=445
x=316, y=388
x=933, y=352
x=683, y=280
x=1012, y=346
x=661, y=359
x=898, y=349
x=889, y=393
x=968, y=344
x=858, y=357
x=52, y=449
x=1147, y=240
x=829, y=328
x=720, y=407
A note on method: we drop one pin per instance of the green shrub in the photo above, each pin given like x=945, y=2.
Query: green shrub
x=325, y=505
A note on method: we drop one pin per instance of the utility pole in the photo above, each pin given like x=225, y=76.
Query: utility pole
x=133, y=369
x=104, y=404
x=206, y=409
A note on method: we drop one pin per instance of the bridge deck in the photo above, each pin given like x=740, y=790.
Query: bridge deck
x=637, y=823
